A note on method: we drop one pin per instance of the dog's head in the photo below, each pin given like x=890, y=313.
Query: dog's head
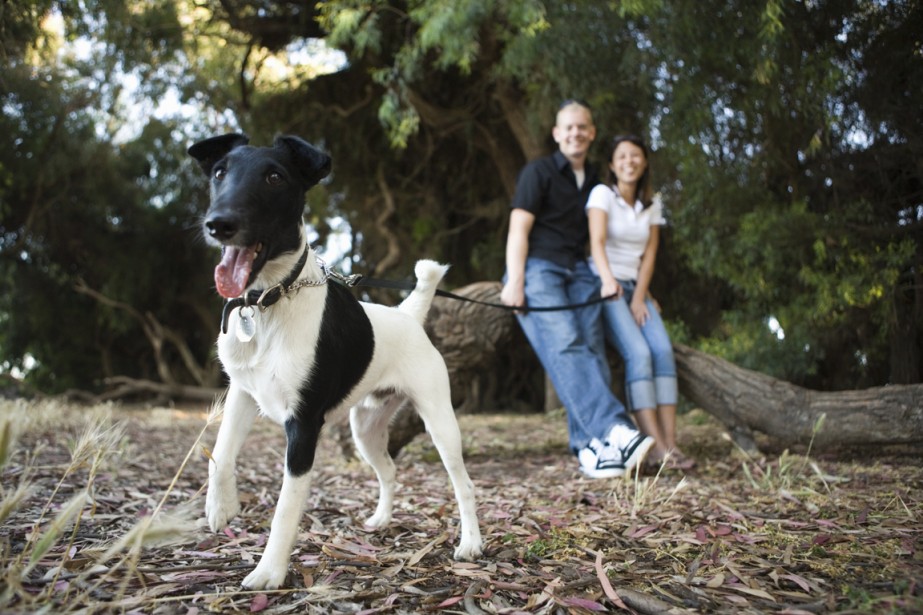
x=257, y=201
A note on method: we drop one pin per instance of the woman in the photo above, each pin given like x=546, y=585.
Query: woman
x=625, y=222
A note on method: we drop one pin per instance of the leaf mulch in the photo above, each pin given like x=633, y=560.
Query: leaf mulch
x=107, y=518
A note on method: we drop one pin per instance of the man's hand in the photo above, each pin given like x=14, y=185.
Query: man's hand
x=611, y=289
x=513, y=295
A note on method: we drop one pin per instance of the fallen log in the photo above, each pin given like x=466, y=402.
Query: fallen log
x=746, y=402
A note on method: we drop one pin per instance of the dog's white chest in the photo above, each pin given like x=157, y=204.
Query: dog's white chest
x=274, y=363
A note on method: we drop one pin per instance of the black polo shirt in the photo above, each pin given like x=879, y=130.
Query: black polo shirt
x=547, y=187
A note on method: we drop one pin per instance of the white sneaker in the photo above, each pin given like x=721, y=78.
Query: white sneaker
x=628, y=445
x=596, y=461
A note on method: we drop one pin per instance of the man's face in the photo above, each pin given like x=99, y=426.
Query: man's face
x=574, y=131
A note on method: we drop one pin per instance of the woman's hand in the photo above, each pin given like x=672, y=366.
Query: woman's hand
x=639, y=310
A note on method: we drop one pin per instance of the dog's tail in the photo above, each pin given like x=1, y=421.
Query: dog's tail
x=417, y=303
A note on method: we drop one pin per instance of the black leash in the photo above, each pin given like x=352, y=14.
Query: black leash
x=265, y=298
x=359, y=280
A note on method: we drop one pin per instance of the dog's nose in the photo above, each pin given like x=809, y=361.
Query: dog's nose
x=221, y=227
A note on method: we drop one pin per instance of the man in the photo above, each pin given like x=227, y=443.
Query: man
x=546, y=266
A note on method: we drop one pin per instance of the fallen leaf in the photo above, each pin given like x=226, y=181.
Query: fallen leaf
x=610, y=592
x=258, y=603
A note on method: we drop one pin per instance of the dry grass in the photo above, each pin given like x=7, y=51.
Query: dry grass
x=101, y=512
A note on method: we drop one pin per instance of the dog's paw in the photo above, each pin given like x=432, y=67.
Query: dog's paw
x=468, y=552
x=378, y=520
x=221, y=505
x=265, y=576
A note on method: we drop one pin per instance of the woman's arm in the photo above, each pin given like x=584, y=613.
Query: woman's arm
x=599, y=223
x=645, y=273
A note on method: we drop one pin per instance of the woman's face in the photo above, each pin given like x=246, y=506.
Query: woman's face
x=628, y=162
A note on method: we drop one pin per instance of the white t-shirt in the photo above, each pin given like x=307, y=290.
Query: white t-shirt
x=629, y=228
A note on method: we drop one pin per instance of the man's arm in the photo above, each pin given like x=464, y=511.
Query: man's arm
x=517, y=248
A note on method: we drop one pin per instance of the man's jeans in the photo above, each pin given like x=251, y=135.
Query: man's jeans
x=571, y=346
x=650, y=370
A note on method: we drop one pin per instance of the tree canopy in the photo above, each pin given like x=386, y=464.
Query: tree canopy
x=786, y=144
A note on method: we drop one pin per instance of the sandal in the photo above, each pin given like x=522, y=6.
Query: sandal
x=677, y=461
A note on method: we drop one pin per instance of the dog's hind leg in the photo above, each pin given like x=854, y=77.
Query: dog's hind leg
x=369, y=423
x=435, y=408
x=221, y=501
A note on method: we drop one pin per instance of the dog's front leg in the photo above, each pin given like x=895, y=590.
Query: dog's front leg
x=270, y=572
x=221, y=501
x=273, y=567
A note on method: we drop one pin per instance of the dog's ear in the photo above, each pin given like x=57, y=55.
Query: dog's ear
x=210, y=151
x=313, y=164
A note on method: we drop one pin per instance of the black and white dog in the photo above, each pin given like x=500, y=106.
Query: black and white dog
x=296, y=346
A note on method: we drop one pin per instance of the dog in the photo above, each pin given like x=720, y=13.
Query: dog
x=297, y=346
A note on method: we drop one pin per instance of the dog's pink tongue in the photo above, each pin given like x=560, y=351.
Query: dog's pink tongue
x=233, y=271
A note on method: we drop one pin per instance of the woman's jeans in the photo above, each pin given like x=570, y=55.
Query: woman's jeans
x=650, y=370
x=571, y=347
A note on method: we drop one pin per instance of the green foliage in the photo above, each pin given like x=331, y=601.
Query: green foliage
x=442, y=35
x=451, y=28
x=81, y=211
x=353, y=24
x=775, y=198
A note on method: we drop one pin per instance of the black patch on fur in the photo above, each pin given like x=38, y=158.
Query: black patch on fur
x=302, y=434
x=342, y=356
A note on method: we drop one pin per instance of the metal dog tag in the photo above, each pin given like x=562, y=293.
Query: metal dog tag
x=246, y=326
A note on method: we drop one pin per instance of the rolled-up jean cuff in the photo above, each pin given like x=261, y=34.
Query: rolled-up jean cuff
x=645, y=394
x=641, y=395
x=666, y=389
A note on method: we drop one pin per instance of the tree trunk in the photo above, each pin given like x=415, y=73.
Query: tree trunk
x=746, y=402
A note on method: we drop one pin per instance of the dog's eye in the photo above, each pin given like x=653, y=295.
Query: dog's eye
x=274, y=178
x=220, y=173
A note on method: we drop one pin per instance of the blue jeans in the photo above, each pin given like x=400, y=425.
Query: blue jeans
x=571, y=347
x=650, y=370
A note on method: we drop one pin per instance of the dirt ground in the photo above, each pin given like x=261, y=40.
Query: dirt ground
x=101, y=511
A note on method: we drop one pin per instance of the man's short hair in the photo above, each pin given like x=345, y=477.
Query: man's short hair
x=575, y=101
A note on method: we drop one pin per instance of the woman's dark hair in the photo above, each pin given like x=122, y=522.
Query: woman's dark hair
x=644, y=191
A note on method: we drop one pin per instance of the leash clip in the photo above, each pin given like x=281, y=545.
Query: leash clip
x=348, y=280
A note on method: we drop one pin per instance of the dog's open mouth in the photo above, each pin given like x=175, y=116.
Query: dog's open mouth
x=233, y=272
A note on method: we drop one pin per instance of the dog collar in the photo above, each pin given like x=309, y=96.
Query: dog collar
x=265, y=298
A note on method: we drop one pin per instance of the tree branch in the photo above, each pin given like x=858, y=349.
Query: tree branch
x=155, y=333
x=393, y=254
x=123, y=386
